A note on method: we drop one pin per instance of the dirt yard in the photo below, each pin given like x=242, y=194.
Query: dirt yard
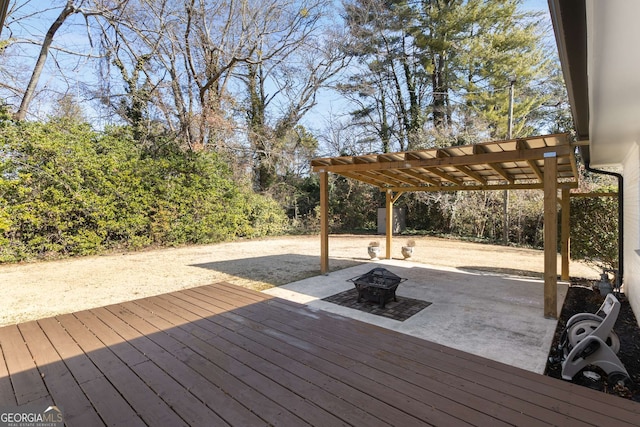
x=36, y=290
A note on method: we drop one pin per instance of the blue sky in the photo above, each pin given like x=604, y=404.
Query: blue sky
x=329, y=103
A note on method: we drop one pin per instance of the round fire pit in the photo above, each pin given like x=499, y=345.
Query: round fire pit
x=378, y=285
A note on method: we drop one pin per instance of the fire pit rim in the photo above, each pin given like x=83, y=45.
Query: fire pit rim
x=370, y=272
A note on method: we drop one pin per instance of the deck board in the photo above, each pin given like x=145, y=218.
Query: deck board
x=57, y=377
x=226, y=355
x=107, y=402
x=421, y=383
x=547, y=397
x=172, y=338
x=25, y=378
x=277, y=367
x=207, y=392
x=535, y=388
x=352, y=359
x=213, y=348
x=144, y=400
x=7, y=396
x=492, y=373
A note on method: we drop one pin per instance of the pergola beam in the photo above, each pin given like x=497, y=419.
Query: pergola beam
x=396, y=197
x=369, y=178
x=491, y=187
x=522, y=145
x=444, y=175
x=464, y=169
x=420, y=176
x=496, y=167
x=534, y=167
x=480, y=149
x=409, y=163
x=471, y=173
x=401, y=176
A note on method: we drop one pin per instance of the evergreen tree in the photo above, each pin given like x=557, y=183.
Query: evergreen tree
x=390, y=89
x=438, y=71
x=501, y=45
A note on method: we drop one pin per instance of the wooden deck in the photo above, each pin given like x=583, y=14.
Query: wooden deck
x=223, y=355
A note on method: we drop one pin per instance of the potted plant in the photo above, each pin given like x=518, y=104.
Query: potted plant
x=374, y=250
x=407, y=250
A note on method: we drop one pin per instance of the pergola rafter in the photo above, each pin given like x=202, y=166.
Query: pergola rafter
x=541, y=162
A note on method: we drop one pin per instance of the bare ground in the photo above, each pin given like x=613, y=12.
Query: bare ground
x=36, y=290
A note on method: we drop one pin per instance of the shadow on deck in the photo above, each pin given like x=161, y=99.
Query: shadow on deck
x=225, y=355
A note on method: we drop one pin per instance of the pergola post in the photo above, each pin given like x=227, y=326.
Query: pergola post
x=389, y=224
x=324, y=222
x=550, y=236
x=565, y=239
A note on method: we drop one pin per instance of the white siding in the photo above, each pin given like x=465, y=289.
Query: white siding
x=631, y=173
x=613, y=34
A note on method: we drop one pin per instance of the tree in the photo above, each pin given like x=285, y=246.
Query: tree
x=444, y=67
x=71, y=7
x=69, y=108
x=509, y=49
x=4, y=7
x=389, y=90
x=187, y=60
x=34, y=34
x=554, y=116
x=293, y=80
x=221, y=37
x=67, y=11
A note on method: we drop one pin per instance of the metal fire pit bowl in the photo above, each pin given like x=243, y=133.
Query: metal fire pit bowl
x=378, y=285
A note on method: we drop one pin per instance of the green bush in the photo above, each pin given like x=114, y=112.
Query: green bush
x=354, y=205
x=66, y=189
x=594, y=230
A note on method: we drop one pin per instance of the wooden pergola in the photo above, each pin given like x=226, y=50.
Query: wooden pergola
x=541, y=162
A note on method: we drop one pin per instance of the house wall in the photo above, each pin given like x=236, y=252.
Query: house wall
x=631, y=174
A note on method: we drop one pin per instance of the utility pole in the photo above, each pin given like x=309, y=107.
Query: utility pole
x=512, y=81
x=505, y=194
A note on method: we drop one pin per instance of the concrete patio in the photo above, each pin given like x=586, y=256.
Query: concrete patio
x=496, y=316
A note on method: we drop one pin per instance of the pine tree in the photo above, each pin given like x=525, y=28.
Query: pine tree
x=502, y=45
x=437, y=72
x=390, y=87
